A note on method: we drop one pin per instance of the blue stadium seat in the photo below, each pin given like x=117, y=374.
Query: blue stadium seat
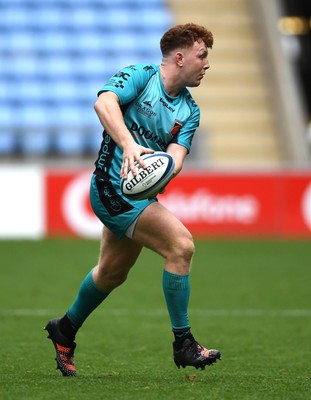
x=92, y=140
x=37, y=143
x=13, y=16
x=70, y=142
x=7, y=118
x=26, y=66
x=85, y=17
x=16, y=42
x=32, y=116
x=55, y=66
x=87, y=42
x=48, y=17
x=8, y=143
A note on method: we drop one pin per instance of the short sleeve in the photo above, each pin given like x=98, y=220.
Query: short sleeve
x=185, y=134
x=129, y=82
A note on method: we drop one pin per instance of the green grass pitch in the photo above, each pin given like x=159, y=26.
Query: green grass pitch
x=249, y=298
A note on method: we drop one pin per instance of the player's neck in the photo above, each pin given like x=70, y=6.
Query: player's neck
x=170, y=80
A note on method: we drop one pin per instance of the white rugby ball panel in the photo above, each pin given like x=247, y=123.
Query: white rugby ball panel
x=150, y=180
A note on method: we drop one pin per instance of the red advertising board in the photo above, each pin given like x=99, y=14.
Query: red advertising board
x=222, y=204
x=68, y=209
x=209, y=204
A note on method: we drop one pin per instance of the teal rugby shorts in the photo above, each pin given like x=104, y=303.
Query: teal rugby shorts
x=115, y=211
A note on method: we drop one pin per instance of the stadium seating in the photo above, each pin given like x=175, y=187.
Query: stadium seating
x=54, y=57
x=237, y=111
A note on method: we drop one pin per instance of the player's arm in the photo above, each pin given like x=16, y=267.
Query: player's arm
x=178, y=153
x=108, y=110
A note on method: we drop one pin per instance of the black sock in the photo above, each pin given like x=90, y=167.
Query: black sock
x=181, y=334
x=66, y=328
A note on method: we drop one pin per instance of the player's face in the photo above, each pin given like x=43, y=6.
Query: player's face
x=195, y=64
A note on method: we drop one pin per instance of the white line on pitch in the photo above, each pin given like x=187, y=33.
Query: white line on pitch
x=159, y=312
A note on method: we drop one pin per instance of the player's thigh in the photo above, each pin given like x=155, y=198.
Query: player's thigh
x=117, y=256
x=118, y=252
x=158, y=229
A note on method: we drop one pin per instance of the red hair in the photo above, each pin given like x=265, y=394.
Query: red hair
x=184, y=36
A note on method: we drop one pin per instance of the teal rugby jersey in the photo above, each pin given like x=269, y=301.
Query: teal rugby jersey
x=154, y=118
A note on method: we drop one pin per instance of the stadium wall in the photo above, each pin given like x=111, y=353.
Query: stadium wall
x=41, y=202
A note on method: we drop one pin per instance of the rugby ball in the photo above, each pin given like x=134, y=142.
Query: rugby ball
x=150, y=180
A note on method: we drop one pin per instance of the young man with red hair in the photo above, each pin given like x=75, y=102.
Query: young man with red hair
x=143, y=108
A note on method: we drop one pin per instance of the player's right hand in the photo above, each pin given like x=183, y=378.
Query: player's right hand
x=131, y=154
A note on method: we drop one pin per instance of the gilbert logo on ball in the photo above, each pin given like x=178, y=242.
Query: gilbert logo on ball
x=150, y=180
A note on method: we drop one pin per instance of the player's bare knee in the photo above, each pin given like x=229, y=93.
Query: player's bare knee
x=115, y=280
x=111, y=281
x=182, y=249
x=108, y=278
x=188, y=249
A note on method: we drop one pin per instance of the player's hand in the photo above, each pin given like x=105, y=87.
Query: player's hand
x=131, y=154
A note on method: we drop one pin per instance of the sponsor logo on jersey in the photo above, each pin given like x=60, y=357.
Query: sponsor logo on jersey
x=166, y=105
x=118, y=79
x=141, y=131
x=106, y=153
x=114, y=204
x=176, y=128
x=111, y=200
x=148, y=67
x=145, y=108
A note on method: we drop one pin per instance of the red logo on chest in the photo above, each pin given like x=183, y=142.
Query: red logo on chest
x=176, y=128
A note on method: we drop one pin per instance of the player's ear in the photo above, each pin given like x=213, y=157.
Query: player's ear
x=179, y=58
